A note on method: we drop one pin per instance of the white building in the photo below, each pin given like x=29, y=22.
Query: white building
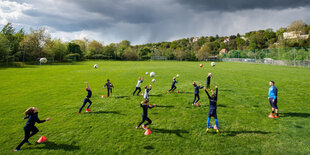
x=295, y=35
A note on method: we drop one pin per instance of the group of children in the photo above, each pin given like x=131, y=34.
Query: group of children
x=32, y=113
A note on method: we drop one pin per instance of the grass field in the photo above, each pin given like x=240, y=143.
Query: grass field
x=178, y=127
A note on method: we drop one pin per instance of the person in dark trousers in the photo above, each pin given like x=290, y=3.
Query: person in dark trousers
x=87, y=99
x=173, y=87
x=212, y=109
x=30, y=130
x=195, y=102
x=145, y=106
x=209, y=80
x=146, y=92
x=109, y=87
x=273, y=100
x=140, y=80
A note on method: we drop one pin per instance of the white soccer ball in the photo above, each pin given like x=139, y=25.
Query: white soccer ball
x=43, y=60
x=178, y=75
x=153, y=80
x=212, y=64
x=95, y=66
x=152, y=74
x=146, y=73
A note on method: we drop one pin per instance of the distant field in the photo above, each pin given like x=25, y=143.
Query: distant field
x=178, y=127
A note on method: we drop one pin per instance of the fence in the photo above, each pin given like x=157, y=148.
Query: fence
x=280, y=56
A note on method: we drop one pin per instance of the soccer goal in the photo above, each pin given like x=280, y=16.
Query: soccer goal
x=158, y=58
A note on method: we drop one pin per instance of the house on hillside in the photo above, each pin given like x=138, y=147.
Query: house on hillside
x=226, y=40
x=223, y=51
x=295, y=35
x=195, y=39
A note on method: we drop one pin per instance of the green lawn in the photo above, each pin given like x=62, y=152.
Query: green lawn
x=178, y=127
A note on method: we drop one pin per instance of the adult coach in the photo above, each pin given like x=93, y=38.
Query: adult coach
x=273, y=99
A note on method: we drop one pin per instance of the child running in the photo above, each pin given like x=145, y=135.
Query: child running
x=212, y=109
x=146, y=93
x=87, y=99
x=140, y=80
x=145, y=106
x=109, y=87
x=32, y=115
x=209, y=80
x=173, y=87
x=195, y=102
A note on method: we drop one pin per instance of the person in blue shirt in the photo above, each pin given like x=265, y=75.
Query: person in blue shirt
x=87, y=99
x=32, y=115
x=145, y=106
x=212, y=108
x=273, y=99
x=140, y=80
x=173, y=87
x=195, y=102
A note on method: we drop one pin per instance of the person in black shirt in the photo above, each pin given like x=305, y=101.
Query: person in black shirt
x=208, y=80
x=195, y=102
x=173, y=87
x=87, y=99
x=109, y=87
x=212, y=108
x=145, y=106
x=32, y=115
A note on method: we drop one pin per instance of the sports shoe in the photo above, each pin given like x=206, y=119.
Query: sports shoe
x=207, y=130
x=138, y=127
x=15, y=150
x=276, y=116
x=197, y=104
x=218, y=131
x=271, y=115
x=79, y=112
x=88, y=110
x=144, y=127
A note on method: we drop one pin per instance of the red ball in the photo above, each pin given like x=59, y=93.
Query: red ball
x=201, y=65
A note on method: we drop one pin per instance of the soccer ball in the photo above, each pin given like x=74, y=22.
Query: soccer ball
x=152, y=74
x=146, y=73
x=153, y=80
x=201, y=65
x=43, y=60
x=95, y=66
x=178, y=75
x=212, y=64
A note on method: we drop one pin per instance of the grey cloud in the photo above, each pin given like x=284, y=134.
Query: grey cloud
x=237, y=5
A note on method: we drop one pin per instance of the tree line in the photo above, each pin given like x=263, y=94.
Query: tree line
x=17, y=45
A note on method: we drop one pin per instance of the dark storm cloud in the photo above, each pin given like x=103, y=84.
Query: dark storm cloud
x=143, y=21
x=236, y=5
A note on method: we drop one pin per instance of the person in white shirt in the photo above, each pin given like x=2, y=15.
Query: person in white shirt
x=140, y=80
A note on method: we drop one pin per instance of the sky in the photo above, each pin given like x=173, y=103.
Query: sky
x=148, y=21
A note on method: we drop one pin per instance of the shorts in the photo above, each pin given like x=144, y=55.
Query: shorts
x=273, y=104
x=212, y=113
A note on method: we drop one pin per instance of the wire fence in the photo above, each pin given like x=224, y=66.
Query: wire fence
x=298, y=56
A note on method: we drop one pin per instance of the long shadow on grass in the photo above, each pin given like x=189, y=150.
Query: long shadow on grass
x=106, y=112
x=177, y=132
x=234, y=133
x=225, y=90
x=148, y=147
x=186, y=93
x=121, y=96
x=164, y=106
x=295, y=114
x=53, y=146
x=219, y=105
x=158, y=95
